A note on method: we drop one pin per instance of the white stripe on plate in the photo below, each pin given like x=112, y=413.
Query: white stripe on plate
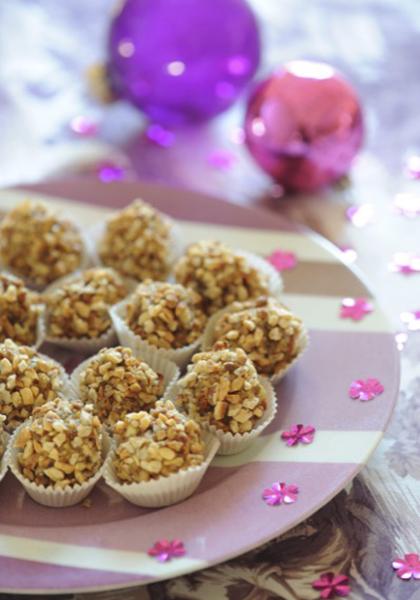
x=255, y=240
x=322, y=312
x=328, y=447
x=86, y=557
x=259, y=241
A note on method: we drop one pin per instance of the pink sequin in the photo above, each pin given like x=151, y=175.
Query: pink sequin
x=407, y=567
x=280, y=493
x=282, y=260
x=332, y=585
x=405, y=262
x=108, y=172
x=365, y=389
x=298, y=433
x=83, y=126
x=355, y=308
x=407, y=204
x=160, y=136
x=164, y=550
x=360, y=214
x=401, y=339
x=412, y=166
x=348, y=254
x=221, y=159
x=411, y=319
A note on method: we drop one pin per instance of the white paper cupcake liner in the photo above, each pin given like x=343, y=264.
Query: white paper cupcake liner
x=83, y=345
x=176, y=247
x=165, y=490
x=168, y=370
x=234, y=443
x=58, y=498
x=127, y=337
x=275, y=281
x=208, y=341
x=4, y=461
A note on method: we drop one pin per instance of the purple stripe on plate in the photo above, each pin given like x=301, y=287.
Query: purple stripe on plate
x=177, y=202
x=25, y=575
x=315, y=391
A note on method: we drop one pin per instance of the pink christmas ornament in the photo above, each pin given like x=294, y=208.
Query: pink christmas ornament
x=304, y=125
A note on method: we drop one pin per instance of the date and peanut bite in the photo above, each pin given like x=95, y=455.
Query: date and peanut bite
x=156, y=444
x=222, y=388
x=80, y=307
x=219, y=275
x=136, y=242
x=268, y=332
x=19, y=311
x=166, y=315
x=60, y=447
x=27, y=380
x=117, y=383
x=38, y=245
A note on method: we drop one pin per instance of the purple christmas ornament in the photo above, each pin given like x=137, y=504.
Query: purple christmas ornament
x=304, y=125
x=182, y=60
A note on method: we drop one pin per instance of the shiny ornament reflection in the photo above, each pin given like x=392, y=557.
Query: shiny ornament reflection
x=304, y=125
x=182, y=60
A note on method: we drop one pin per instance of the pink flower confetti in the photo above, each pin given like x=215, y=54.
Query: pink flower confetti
x=355, y=308
x=280, y=493
x=405, y=262
x=407, y=567
x=282, y=260
x=365, y=389
x=160, y=136
x=221, y=159
x=401, y=339
x=407, y=204
x=164, y=550
x=411, y=319
x=83, y=126
x=360, y=215
x=331, y=585
x=299, y=433
x=412, y=166
x=108, y=172
x=348, y=254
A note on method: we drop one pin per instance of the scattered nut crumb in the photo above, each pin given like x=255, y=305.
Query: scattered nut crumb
x=80, y=307
x=219, y=275
x=19, y=311
x=117, y=383
x=2, y=436
x=267, y=331
x=87, y=503
x=38, y=245
x=156, y=444
x=222, y=388
x=59, y=451
x=27, y=380
x=166, y=315
x=136, y=242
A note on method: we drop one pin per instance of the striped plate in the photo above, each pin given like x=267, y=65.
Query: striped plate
x=48, y=550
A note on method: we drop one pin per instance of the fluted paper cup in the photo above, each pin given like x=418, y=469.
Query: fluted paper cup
x=127, y=337
x=275, y=281
x=58, y=498
x=164, y=490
